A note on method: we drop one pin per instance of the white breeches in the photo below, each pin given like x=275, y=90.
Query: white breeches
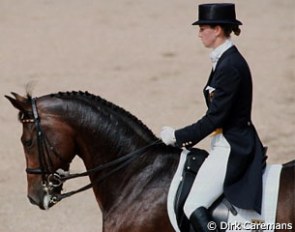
x=208, y=185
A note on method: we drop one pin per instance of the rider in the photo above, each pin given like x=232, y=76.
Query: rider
x=236, y=161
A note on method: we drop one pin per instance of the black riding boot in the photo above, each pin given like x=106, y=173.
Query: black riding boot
x=201, y=221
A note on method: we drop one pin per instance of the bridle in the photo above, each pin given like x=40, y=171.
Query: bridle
x=54, y=179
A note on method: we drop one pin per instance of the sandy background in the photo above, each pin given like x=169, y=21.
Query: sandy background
x=144, y=56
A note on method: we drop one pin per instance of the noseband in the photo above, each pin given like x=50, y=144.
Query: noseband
x=53, y=179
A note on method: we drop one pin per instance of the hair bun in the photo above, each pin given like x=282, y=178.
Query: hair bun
x=236, y=30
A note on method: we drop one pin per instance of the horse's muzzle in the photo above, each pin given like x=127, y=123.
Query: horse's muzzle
x=35, y=202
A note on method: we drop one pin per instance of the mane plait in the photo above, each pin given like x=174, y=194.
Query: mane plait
x=117, y=109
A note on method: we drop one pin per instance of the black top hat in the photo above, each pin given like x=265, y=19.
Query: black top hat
x=218, y=13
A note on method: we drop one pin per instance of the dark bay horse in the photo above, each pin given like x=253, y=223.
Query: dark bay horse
x=129, y=169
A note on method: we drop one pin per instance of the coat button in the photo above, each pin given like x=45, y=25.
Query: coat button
x=249, y=123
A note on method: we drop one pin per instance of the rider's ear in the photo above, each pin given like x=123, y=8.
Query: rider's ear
x=19, y=102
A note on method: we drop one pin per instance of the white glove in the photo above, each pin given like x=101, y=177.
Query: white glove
x=168, y=135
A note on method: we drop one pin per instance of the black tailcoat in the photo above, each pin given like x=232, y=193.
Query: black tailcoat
x=230, y=109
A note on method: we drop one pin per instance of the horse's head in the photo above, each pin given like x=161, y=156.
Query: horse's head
x=49, y=147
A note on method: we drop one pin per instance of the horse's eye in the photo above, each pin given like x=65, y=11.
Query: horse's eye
x=28, y=143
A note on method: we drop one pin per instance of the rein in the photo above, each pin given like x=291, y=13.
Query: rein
x=57, y=178
x=117, y=163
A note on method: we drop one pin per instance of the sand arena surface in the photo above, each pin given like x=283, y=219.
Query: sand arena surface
x=144, y=56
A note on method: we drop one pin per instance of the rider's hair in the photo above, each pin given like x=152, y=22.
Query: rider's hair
x=228, y=29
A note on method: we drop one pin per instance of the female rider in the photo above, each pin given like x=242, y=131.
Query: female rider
x=236, y=160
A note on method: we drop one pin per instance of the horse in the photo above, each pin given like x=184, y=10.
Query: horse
x=129, y=168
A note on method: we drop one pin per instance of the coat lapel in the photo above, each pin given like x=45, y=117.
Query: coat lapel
x=205, y=92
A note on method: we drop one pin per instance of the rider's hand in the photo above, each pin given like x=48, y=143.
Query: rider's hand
x=168, y=135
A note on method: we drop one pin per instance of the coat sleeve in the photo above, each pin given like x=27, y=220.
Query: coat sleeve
x=227, y=82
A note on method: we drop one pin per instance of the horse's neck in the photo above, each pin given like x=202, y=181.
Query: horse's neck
x=106, y=133
x=105, y=138
x=97, y=150
x=140, y=177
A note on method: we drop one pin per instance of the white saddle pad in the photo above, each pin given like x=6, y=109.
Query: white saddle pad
x=246, y=220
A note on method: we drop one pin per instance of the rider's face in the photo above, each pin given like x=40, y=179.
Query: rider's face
x=208, y=35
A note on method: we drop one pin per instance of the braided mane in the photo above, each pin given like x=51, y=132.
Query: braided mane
x=115, y=108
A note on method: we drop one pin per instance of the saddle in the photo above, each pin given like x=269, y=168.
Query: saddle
x=219, y=209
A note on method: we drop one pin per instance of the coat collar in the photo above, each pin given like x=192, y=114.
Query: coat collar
x=228, y=52
x=217, y=52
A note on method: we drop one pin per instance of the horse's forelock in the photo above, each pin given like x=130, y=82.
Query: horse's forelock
x=29, y=89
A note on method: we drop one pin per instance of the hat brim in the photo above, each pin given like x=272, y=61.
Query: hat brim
x=210, y=22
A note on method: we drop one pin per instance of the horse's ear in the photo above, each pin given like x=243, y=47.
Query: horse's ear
x=19, y=102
